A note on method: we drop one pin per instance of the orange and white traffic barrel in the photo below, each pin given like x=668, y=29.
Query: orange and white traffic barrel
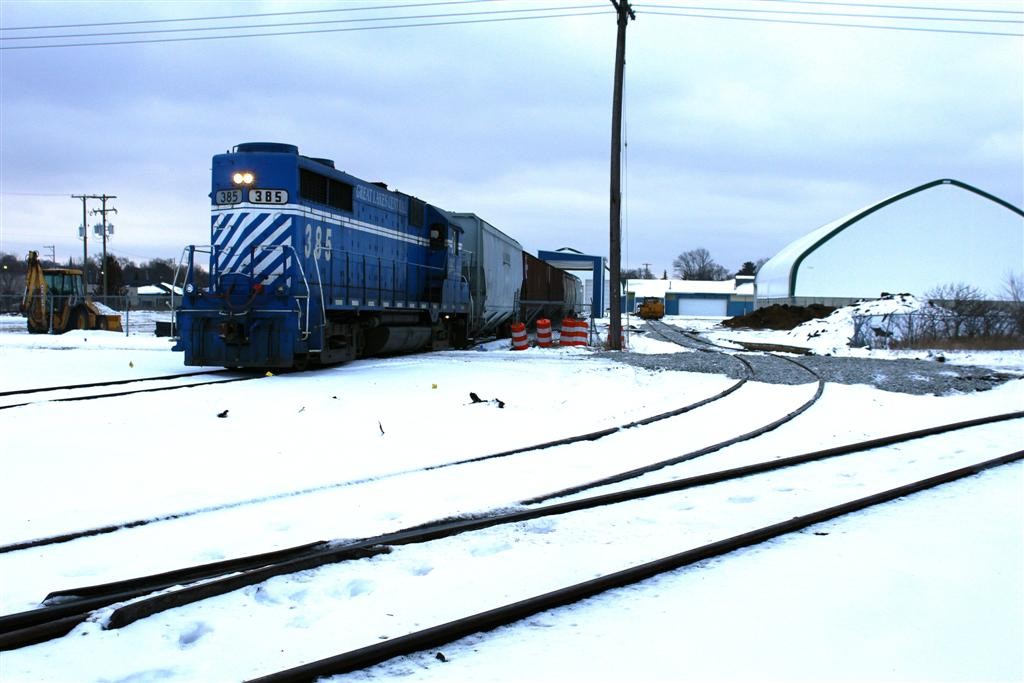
x=574, y=332
x=519, y=338
x=544, y=333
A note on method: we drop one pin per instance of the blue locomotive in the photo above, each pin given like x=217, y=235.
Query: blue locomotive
x=311, y=265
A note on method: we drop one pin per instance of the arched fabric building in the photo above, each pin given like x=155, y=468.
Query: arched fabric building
x=940, y=233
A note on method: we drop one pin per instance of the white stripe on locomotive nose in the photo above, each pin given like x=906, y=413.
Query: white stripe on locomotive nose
x=248, y=234
x=228, y=240
x=260, y=256
x=235, y=253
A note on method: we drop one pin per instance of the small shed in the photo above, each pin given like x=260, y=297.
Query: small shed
x=153, y=296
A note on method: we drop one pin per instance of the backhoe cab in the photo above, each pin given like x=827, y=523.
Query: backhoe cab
x=55, y=302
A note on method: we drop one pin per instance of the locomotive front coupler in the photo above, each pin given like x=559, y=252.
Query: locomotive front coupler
x=233, y=330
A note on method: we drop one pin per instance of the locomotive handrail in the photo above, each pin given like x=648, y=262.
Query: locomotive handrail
x=189, y=276
x=323, y=310
x=303, y=326
x=305, y=282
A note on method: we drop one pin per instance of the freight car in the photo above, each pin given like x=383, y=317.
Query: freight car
x=507, y=284
x=547, y=292
x=309, y=264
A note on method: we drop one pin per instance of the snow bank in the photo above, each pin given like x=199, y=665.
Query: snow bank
x=853, y=325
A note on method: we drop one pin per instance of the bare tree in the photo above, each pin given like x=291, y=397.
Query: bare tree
x=969, y=313
x=12, y=274
x=1014, y=294
x=697, y=264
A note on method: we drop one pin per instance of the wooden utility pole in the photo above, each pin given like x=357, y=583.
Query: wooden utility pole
x=625, y=13
x=104, y=211
x=85, y=239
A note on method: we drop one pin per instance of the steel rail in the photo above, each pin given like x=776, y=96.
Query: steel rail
x=508, y=614
x=125, y=393
x=589, y=436
x=72, y=606
x=579, y=438
x=108, y=383
x=652, y=467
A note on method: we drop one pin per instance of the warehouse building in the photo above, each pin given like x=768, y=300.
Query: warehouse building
x=719, y=298
x=940, y=233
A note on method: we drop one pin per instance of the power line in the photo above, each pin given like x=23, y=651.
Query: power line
x=33, y=194
x=550, y=12
x=245, y=16
x=63, y=36
x=307, y=32
x=466, y=2
x=877, y=6
x=840, y=24
x=494, y=12
x=690, y=8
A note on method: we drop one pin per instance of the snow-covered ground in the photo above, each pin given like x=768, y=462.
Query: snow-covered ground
x=929, y=587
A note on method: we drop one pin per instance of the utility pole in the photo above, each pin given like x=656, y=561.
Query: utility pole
x=647, y=270
x=104, y=211
x=625, y=13
x=85, y=239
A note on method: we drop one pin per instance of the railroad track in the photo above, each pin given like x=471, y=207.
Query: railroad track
x=582, y=438
x=531, y=450
x=17, y=398
x=69, y=607
x=674, y=335
x=462, y=627
x=14, y=629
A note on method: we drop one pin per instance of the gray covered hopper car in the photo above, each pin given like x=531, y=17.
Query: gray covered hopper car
x=494, y=268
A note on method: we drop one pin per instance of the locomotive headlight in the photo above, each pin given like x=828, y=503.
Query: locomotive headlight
x=243, y=178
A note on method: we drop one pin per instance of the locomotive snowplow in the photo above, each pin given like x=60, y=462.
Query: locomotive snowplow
x=651, y=308
x=55, y=302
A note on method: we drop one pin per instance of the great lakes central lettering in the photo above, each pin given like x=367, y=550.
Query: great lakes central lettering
x=381, y=199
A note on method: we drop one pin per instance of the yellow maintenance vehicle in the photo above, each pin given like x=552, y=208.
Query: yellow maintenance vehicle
x=651, y=308
x=55, y=301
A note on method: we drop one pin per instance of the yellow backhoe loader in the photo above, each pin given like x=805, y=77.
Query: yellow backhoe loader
x=55, y=302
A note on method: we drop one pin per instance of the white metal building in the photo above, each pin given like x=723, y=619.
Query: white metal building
x=940, y=233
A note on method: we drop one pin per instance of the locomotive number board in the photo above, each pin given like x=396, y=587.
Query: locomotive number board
x=268, y=196
x=255, y=196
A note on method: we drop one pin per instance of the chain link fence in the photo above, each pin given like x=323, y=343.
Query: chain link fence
x=145, y=316
x=999, y=327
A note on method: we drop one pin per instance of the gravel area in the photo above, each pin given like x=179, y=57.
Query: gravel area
x=903, y=375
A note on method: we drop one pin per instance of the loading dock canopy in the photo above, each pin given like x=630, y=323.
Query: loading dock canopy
x=573, y=260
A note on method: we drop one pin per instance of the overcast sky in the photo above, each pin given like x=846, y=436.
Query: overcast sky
x=741, y=135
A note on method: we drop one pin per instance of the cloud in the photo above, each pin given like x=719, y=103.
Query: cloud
x=740, y=136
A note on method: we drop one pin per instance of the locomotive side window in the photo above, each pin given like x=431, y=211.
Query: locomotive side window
x=312, y=186
x=340, y=195
x=438, y=235
x=416, y=208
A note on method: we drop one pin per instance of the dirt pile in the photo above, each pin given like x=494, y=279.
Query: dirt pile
x=779, y=317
